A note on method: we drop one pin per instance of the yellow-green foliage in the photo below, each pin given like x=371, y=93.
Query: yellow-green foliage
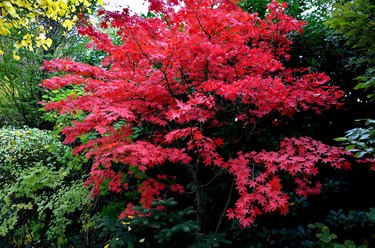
x=20, y=14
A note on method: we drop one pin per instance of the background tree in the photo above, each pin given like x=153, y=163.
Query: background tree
x=37, y=30
x=354, y=21
x=27, y=16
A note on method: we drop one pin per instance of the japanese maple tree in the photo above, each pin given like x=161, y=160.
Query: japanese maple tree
x=164, y=97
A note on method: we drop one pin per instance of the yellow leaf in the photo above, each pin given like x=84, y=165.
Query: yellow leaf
x=106, y=246
x=22, y=3
x=31, y=15
x=15, y=56
x=1, y=52
x=100, y=2
x=10, y=9
x=41, y=28
x=48, y=42
x=68, y=24
x=4, y=32
x=3, y=12
x=22, y=22
x=86, y=3
x=27, y=36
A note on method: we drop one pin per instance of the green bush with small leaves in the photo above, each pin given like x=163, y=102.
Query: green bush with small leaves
x=42, y=196
x=23, y=148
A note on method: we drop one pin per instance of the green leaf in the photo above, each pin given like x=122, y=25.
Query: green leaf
x=339, y=246
x=333, y=236
x=371, y=215
x=325, y=238
x=325, y=230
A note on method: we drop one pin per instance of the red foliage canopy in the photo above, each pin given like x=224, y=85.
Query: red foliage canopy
x=181, y=73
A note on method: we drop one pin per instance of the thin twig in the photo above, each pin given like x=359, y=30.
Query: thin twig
x=225, y=209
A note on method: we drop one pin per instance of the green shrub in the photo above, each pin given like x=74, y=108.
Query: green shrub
x=23, y=148
x=41, y=194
